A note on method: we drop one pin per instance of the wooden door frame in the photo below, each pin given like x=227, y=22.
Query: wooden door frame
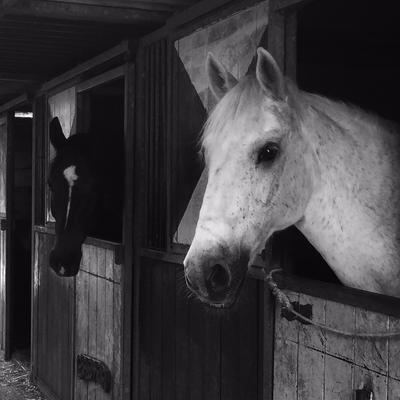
x=8, y=110
x=3, y=217
x=9, y=234
x=9, y=217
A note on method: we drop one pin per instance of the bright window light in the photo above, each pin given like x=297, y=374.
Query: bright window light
x=23, y=114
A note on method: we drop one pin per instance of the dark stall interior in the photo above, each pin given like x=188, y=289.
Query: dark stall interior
x=21, y=237
x=346, y=50
x=101, y=115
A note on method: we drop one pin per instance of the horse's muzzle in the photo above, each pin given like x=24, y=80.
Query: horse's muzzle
x=65, y=265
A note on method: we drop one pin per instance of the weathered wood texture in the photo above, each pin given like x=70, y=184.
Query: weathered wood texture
x=54, y=299
x=3, y=169
x=154, y=109
x=98, y=318
x=190, y=352
x=74, y=316
x=314, y=364
x=3, y=164
x=2, y=290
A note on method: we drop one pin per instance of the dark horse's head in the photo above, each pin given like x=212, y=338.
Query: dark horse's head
x=73, y=196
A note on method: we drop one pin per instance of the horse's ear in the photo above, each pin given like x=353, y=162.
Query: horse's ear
x=269, y=75
x=57, y=138
x=221, y=81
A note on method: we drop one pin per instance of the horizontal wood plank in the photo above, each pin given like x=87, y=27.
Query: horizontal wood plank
x=82, y=12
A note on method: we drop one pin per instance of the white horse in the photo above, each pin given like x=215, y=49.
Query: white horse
x=276, y=157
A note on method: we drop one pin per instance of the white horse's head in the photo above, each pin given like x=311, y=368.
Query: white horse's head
x=260, y=177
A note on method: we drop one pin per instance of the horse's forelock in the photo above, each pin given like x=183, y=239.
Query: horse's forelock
x=247, y=97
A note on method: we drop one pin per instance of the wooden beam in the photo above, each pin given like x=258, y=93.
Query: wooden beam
x=85, y=12
x=118, y=51
x=21, y=77
x=128, y=3
x=157, y=5
x=283, y=4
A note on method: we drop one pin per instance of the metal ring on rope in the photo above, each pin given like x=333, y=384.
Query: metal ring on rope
x=285, y=303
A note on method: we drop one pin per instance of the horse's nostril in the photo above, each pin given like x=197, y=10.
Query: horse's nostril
x=219, y=278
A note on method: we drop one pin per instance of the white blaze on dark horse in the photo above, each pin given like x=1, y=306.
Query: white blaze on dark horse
x=277, y=156
x=70, y=175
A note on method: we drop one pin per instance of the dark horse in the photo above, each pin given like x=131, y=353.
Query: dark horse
x=85, y=181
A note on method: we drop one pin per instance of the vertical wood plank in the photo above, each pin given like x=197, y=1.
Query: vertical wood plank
x=82, y=328
x=168, y=345
x=109, y=263
x=110, y=338
x=338, y=379
x=2, y=290
x=212, y=357
x=342, y=317
x=145, y=333
x=393, y=389
x=285, y=370
x=285, y=329
x=196, y=343
x=157, y=333
x=92, y=329
x=310, y=374
x=101, y=318
x=378, y=383
x=117, y=321
x=182, y=339
x=394, y=350
x=310, y=335
x=373, y=354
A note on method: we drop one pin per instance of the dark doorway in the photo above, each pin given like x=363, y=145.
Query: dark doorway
x=101, y=111
x=348, y=50
x=20, y=324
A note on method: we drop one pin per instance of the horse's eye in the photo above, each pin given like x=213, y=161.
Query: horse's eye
x=268, y=153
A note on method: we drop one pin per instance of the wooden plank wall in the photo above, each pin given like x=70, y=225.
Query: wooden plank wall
x=154, y=109
x=54, y=299
x=2, y=290
x=188, y=351
x=3, y=172
x=3, y=164
x=314, y=365
x=77, y=316
x=98, y=318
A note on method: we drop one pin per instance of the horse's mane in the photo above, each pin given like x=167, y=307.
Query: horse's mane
x=343, y=113
x=247, y=96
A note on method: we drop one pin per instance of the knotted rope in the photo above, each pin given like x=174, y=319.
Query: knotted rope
x=285, y=303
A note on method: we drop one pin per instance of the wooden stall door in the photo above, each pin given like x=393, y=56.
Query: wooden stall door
x=3, y=166
x=98, y=319
x=54, y=297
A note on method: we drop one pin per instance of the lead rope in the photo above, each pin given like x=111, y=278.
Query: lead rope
x=285, y=303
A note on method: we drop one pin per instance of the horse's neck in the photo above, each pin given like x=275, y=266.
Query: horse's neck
x=352, y=217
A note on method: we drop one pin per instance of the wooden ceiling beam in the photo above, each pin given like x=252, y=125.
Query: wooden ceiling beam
x=16, y=77
x=83, y=12
x=128, y=3
x=149, y=5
